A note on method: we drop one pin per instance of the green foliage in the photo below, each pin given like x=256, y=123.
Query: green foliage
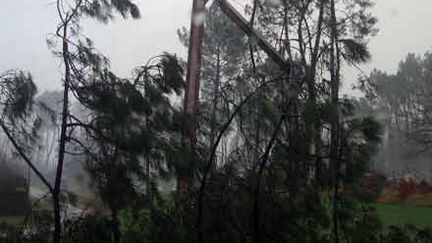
x=91, y=229
x=170, y=76
x=134, y=127
x=355, y=52
x=408, y=234
x=17, y=94
x=102, y=10
x=159, y=221
x=359, y=222
x=261, y=186
x=17, y=102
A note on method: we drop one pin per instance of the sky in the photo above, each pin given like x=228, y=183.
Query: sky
x=25, y=24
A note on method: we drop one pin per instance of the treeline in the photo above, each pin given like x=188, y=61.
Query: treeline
x=402, y=101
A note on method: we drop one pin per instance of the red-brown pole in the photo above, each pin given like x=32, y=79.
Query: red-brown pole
x=191, y=100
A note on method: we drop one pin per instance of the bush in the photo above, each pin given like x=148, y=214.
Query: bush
x=406, y=188
x=407, y=234
x=369, y=187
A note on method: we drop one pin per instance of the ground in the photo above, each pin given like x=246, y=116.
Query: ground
x=400, y=214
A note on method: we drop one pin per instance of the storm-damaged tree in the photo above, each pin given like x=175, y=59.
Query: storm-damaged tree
x=19, y=124
x=299, y=115
x=133, y=132
x=70, y=13
x=19, y=90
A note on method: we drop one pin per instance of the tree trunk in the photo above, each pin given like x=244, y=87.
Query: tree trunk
x=63, y=137
x=215, y=99
x=115, y=226
x=57, y=218
x=335, y=162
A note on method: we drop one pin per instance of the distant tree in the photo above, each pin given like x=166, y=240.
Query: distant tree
x=402, y=100
x=45, y=154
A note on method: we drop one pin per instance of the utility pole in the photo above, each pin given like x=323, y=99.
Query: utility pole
x=191, y=100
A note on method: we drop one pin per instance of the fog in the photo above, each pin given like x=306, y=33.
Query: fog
x=258, y=137
x=128, y=43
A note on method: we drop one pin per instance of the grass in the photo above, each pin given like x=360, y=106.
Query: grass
x=11, y=220
x=399, y=215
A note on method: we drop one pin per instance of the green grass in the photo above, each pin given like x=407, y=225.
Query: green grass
x=399, y=215
x=11, y=220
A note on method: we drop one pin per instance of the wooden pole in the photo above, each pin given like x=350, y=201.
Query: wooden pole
x=191, y=101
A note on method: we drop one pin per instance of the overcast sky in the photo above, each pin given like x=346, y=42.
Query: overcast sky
x=405, y=26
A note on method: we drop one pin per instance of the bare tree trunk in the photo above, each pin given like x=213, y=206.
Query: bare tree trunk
x=115, y=226
x=313, y=126
x=335, y=162
x=65, y=20
x=286, y=31
x=63, y=138
x=215, y=99
x=316, y=144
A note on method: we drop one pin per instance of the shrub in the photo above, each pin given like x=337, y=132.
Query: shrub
x=369, y=187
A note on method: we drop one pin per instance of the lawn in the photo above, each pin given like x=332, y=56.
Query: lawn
x=394, y=214
x=11, y=220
